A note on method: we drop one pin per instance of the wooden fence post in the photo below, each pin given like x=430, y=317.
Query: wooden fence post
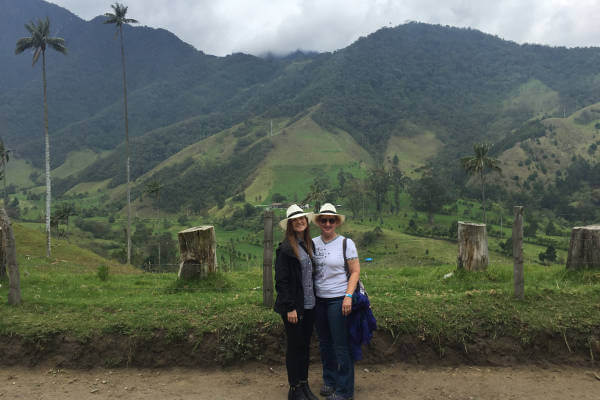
x=268, y=260
x=517, y=242
x=10, y=251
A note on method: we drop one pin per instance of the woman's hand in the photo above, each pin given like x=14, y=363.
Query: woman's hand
x=347, y=305
x=292, y=317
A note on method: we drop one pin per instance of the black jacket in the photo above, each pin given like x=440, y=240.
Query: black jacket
x=288, y=280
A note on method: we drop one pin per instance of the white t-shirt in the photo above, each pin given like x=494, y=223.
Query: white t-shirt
x=330, y=275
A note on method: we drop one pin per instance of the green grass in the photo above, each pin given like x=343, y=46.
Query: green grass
x=61, y=293
x=76, y=161
x=413, y=152
x=31, y=241
x=18, y=171
x=406, y=300
x=550, y=153
x=535, y=96
x=303, y=151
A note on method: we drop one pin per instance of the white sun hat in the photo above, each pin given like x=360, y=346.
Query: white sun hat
x=294, y=212
x=329, y=209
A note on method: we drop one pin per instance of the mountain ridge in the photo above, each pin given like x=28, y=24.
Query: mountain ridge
x=458, y=85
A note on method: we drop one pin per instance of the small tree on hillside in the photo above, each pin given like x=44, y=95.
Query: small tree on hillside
x=428, y=194
x=479, y=164
x=319, y=192
x=548, y=256
x=379, y=183
x=398, y=181
x=354, y=196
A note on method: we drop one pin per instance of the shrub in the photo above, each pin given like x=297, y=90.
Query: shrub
x=278, y=198
x=371, y=237
x=102, y=273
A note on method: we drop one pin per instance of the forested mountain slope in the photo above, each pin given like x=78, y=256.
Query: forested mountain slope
x=453, y=86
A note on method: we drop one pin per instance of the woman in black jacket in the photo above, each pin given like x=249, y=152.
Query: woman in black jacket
x=296, y=298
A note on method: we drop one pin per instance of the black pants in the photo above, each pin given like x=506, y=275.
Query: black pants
x=298, y=345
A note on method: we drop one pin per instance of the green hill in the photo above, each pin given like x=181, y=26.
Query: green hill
x=30, y=242
x=552, y=148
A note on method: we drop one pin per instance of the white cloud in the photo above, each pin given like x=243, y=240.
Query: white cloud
x=257, y=26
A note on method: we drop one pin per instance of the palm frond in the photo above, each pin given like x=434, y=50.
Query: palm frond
x=23, y=44
x=31, y=28
x=110, y=18
x=58, y=44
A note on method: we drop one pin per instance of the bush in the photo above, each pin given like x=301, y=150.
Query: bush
x=102, y=273
x=412, y=226
x=453, y=230
x=507, y=246
x=371, y=237
x=278, y=198
x=548, y=255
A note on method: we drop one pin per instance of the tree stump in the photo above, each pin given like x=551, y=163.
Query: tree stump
x=472, y=246
x=198, y=252
x=584, y=248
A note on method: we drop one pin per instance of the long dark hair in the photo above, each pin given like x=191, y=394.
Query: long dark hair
x=290, y=235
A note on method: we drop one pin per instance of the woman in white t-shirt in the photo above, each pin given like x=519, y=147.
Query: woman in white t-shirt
x=334, y=289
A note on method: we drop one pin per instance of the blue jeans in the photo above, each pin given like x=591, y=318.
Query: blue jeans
x=332, y=328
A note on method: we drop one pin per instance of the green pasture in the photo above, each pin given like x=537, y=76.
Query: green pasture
x=432, y=300
x=18, y=173
x=76, y=161
x=413, y=151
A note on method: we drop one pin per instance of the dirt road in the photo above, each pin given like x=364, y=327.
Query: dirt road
x=259, y=381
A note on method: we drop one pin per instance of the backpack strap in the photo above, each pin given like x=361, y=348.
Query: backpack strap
x=345, y=259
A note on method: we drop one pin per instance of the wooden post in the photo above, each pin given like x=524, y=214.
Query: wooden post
x=2, y=256
x=12, y=268
x=584, y=247
x=198, y=252
x=517, y=241
x=268, y=260
x=472, y=246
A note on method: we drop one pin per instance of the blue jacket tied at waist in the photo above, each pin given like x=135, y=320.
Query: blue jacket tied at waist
x=361, y=323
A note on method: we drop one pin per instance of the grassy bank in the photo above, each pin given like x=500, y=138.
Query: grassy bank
x=67, y=296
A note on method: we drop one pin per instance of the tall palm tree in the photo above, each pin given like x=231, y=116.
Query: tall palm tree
x=118, y=18
x=479, y=165
x=153, y=188
x=39, y=40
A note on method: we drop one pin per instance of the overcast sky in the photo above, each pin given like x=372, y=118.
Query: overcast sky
x=221, y=27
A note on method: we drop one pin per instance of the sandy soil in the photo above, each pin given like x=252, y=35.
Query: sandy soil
x=259, y=381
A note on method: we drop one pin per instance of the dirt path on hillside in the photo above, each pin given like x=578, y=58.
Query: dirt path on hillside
x=258, y=381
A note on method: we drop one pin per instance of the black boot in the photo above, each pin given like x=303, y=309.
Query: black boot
x=307, y=392
x=296, y=393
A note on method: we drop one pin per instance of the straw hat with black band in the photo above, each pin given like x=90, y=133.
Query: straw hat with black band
x=328, y=209
x=294, y=212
